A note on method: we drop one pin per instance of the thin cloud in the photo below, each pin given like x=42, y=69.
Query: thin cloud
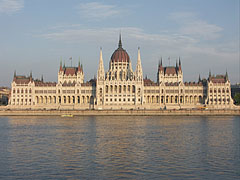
x=191, y=25
x=11, y=6
x=96, y=10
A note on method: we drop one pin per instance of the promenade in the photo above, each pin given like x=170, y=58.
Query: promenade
x=209, y=112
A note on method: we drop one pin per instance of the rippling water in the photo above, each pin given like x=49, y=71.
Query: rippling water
x=117, y=147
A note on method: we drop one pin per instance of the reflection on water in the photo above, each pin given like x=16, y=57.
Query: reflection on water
x=117, y=147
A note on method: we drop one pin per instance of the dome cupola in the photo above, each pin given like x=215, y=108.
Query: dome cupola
x=120, y=54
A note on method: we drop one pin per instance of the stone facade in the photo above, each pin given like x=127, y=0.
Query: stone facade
x=121, y=88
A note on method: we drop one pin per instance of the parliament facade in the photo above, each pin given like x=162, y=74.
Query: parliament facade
x=120, y=88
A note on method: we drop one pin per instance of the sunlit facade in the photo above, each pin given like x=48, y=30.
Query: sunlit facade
x=121, y=88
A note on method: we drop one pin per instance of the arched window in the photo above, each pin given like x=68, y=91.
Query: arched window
x=133, y=89
x=106, y=88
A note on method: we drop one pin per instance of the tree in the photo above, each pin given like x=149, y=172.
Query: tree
x=237, y=98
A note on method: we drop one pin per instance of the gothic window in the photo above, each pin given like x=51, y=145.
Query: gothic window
x=106, y=88
x=223, y=90
x=227, y=90
x=30, y=90
x=111, y=88
x=22, y=91
x=115, y=89
x=13, y=90
x=124, y=88
x=120, y=89
x=133, y=89
x=26, y=90
x=219, y=90
x=128, y=88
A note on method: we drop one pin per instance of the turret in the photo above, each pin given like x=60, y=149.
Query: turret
x=180, y=66
x=60, y=69
x=101, y=73
x=226, y=76
x=138, y=72
x=199, y=78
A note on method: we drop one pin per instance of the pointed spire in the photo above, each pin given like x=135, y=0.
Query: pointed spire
x=120, y=41
x=161, y=62
x=226, y=76
x=138, y=71
x=31, y=74
x=42, y=78
x=60, y=69
x=64, y=65
x=199, y=78
x=15, y=73
x=209, y=73
x=176, y=63
x=179, y=63
x=79, y=67
x=101, y=73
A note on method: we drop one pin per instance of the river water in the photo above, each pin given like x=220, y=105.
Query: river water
x=120, y=147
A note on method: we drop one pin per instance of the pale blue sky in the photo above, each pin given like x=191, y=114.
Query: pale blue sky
x=36, y=34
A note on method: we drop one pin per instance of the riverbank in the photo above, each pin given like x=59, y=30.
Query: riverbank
x=210, y=112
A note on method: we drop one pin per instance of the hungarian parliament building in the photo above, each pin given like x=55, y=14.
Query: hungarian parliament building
x=120, y=88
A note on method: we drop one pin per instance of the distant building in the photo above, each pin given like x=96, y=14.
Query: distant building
x=235, y=89
x=4, y=95
x=121, y=88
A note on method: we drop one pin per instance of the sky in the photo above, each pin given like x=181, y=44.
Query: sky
x=36, y=35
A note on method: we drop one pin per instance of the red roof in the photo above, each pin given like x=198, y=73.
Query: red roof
x=149, y=82
x=120, y=55
x=70, y=70
x=218, y=79
x=21, y=80
x=44, y=84
x=170, y=70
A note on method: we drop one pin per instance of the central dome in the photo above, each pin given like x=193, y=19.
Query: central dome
x=120, y=54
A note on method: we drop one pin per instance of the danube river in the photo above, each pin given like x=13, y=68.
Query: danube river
x=120, y=147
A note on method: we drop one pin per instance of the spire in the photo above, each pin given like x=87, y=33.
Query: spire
x=226, y=76
x=179, y=62
x=64, y=65
x=138, y=72
x=120, y=41
x=209, y=73
x=161, y=62
x=199, y=78
x=15, y=73
x=176, y=63
x=60, y=69
x=30, y=74
x=79, y=67
x=101, y=73
x=42, y=78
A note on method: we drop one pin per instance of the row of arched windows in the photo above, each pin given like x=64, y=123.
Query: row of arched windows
x=120, y=89
x=22, y=91
x=219, y=90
